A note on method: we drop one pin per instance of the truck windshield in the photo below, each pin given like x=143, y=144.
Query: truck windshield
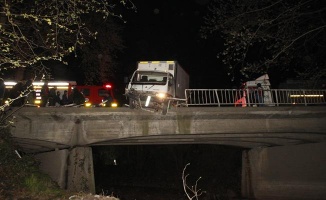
x=143, y=77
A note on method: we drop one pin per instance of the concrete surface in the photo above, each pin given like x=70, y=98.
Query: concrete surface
x=54, y=163
x=284, y=147
x=286, y=172
x=72, y=169
x=46, y=129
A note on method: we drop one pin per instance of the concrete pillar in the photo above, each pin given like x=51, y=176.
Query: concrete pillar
x=80, y=171
x=285, y=172
x=54, y=164
x=71, y=169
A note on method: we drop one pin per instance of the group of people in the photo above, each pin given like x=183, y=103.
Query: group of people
x=21, y=93
x=52, y=97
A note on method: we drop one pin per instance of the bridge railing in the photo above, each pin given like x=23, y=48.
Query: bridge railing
x=254, y=97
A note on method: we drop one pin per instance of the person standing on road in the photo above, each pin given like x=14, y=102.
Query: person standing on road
x=16, y=93
x=107, y=99
x=57, y=99
x=64, y=99
x=29, y=92
x=52, y=95
x=44, y=94
x=259, y=95
x=77, y=97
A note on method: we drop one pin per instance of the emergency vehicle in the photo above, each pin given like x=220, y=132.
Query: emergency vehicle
x=94, y=95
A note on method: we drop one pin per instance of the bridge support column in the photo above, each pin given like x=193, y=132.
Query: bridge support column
x=71, y=169
x=80, y=173
x=285, y=172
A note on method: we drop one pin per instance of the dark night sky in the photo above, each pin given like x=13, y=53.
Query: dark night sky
x=169, y=30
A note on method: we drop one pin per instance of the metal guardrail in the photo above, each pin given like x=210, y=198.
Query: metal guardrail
x=254, y=97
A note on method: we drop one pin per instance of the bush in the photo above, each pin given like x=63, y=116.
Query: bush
x=20, y=175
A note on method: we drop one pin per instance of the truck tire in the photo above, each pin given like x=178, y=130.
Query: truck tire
x=165, y=106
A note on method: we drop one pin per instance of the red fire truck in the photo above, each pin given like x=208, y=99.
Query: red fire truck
x=94, y=95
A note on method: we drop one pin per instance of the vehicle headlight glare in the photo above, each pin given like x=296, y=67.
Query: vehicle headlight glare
x=161, y=95
x=147, y=101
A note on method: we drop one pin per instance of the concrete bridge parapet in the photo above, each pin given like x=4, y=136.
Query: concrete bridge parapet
x=46, y=129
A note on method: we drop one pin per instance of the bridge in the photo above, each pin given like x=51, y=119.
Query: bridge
x=283, y=146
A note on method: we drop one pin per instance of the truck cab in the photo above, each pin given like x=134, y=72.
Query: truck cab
x=155, y=84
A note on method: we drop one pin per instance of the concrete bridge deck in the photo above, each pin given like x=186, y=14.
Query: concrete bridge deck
x=284, y=155
x=46, y=129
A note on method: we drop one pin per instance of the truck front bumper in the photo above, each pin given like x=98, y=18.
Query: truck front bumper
x=144, y=96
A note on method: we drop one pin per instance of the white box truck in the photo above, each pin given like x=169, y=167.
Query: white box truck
x=155, y=84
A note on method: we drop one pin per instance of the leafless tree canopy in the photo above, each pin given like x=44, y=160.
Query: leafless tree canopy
x=262, y=35
x=38, y=30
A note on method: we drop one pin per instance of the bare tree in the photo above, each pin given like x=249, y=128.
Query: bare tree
x=258, y=36
x=192, y=192
x=6, y=113
x=39, y=30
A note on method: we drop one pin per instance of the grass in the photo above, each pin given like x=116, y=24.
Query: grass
x=20, y=177
x=38, y=183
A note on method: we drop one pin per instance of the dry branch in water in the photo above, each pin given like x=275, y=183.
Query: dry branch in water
x=192, y=192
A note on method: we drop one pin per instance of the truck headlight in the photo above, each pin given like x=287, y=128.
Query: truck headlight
x=114, y=105
x=88, y=104
x=161, y=95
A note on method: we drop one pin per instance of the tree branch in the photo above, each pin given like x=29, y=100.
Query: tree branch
x=293, y=41
x=192, y=192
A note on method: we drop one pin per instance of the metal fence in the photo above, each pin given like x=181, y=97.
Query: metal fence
x=254, y=97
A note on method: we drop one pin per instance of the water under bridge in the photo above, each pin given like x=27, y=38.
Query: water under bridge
x=284, y=147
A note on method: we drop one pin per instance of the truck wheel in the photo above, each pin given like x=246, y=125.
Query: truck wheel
x=131, y=103
x=165, y=106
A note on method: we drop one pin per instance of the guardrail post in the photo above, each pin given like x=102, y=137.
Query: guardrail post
x=304, y=97
x=276, y=97
x=248, y=96
x=218, y=100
